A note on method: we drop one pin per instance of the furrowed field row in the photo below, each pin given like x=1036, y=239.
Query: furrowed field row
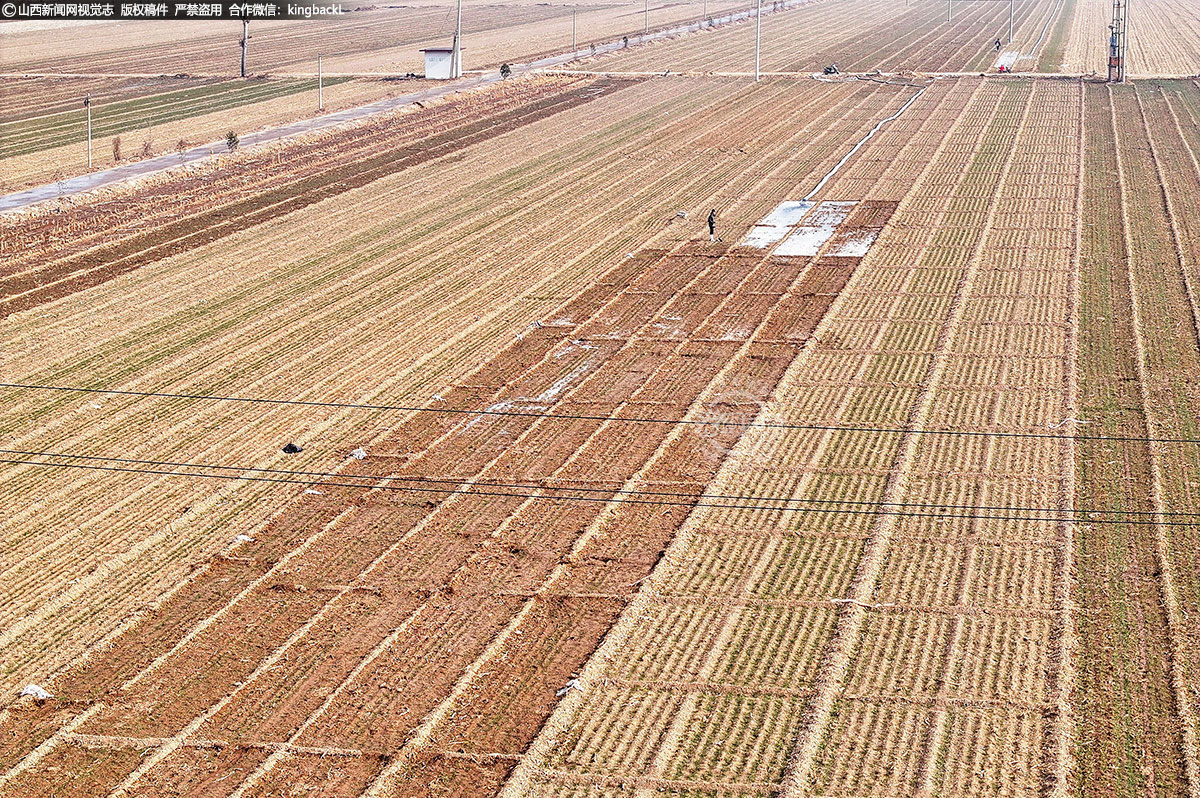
x=43, y=133
x=925, y=42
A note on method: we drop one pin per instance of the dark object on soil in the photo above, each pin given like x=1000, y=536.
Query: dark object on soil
x=831, y=70
x=292, y=448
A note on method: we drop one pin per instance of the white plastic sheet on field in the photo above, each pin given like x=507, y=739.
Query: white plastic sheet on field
x=819, y=227
x=776, y=224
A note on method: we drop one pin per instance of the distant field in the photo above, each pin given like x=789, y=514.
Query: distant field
x=856, y=35
x=113, y=118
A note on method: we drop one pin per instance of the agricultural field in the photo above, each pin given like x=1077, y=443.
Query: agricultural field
x=887, y=488
x=900, y=36
x=1164, y=40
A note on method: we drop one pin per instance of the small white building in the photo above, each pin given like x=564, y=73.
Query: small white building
x=442, y=63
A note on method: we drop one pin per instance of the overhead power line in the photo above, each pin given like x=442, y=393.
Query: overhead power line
x=780, y=425
x=468, y=487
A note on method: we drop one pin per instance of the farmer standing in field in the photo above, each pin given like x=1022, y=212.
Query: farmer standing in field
x=712, y=225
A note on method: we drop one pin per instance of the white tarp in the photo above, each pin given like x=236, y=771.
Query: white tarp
x=820, y=226
x=776, y=224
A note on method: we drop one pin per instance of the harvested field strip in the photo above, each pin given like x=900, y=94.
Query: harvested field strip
x=1124, y=638
x=110, y=119
x=990, y=170
x=61, y=234
x=805, y=40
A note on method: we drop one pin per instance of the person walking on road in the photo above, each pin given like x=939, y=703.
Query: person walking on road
x=712, y=225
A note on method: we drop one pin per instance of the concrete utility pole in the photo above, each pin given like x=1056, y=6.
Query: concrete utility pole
x=574, y=28
x=646, y=17
x=704, y=15
x=320, y=86
x=87, y=103
x=456, y=53
x=949, y=10
x=245, y=41
x=1010, y=20
x=757, y=37
x=1118, y=36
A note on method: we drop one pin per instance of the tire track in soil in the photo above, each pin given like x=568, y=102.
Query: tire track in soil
x=1127, y=744
x=26, y=290
x=847, y=636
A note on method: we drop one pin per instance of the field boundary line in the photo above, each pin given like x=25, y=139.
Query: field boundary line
x=520, y=781
x=1174, y=613
x=645, y=783
x=848, y=629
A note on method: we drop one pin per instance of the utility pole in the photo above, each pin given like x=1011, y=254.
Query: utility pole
x=1010, y=20
x=320, y=86
x=646, y=17
x=245, y=41
x=949, y=10
x=757, y=37
x=456, y=55
x=87, y=103
x=1118, y=38
x=704, y=16
x=574, y=28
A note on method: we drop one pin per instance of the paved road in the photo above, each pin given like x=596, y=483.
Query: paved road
x=119, y=174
